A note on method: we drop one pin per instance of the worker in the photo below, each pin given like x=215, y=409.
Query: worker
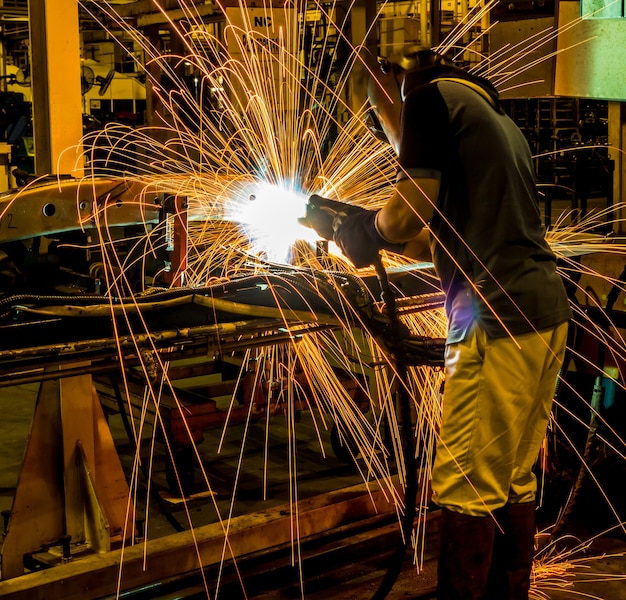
x=466, y=197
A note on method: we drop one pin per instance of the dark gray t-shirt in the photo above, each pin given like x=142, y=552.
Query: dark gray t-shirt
x=488, y=245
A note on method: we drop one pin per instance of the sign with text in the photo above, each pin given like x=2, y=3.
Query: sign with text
x=252, y=29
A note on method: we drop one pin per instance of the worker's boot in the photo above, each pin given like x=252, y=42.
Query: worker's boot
x=513, y=551
x=464, y=556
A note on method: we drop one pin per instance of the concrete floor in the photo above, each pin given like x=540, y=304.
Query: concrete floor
x=262, y=481
x=596, y=566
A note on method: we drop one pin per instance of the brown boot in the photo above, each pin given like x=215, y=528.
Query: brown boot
x=513, y=551
x=464, y=556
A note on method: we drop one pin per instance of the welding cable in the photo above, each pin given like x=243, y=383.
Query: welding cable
x=386, y=327
x=585, y=460
x=407, y=439
x=328, y=291
x=286, y=314
x=424, y=351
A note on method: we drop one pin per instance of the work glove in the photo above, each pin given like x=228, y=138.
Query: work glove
x=320, y=214
x=357, y=237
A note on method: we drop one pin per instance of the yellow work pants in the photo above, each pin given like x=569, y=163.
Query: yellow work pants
x=497, y=400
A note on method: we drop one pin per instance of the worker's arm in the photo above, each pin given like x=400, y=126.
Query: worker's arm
x=395, y=227
x=418, y=248
x=409, y=210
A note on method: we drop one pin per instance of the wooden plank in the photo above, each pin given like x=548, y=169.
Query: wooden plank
x=38, y=510
x=76, y=420
x=97, y=575
x=111, y=487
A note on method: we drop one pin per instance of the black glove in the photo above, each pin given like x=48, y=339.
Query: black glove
x=358, y=238
x=320, y=213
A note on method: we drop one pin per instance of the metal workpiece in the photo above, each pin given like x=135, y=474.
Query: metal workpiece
x=52, y=206
x=36, y=327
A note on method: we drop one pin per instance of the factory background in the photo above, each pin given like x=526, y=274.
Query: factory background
x=63, y=76
x=571, y=97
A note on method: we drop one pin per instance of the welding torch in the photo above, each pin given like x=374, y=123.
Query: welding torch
x=325, y=216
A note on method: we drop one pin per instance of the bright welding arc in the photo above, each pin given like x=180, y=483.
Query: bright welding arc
x=268, y=215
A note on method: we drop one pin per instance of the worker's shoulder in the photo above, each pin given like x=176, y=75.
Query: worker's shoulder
x=424, y=95
x=447, y=91
x=457, y=90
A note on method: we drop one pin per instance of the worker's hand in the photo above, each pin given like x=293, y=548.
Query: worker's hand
x=320, y=216
x=357, y=237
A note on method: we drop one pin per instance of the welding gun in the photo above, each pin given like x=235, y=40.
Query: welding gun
x=324, y=214
x=353, y=229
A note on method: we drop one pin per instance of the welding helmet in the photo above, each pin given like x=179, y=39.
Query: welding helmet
x=412, y=58
x=415, y=64
x=383, y=115
x=401, y=72
x=386, y=89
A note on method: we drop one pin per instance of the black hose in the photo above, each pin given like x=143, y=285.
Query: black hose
x=407, y=439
